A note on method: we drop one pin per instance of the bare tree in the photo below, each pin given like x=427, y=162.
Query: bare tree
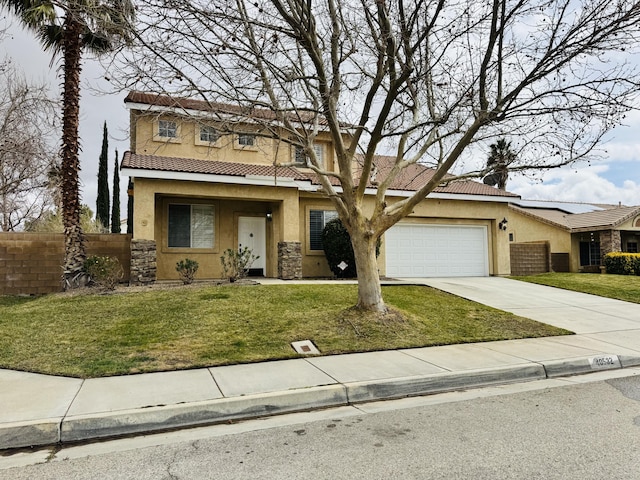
x=421, y=80
x=28, y=152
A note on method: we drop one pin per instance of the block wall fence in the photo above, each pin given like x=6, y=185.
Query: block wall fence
x=31, y=263
x=529, y=258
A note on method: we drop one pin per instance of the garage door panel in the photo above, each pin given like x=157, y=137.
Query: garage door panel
x=436, y=251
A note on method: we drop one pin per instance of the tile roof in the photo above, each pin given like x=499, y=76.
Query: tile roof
x=577, y=222
x=210, y=167
x=158, y=100
x=413, y=178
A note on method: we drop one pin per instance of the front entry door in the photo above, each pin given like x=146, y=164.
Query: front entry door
x=252, y=234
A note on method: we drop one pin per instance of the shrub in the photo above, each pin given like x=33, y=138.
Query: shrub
x=337, y=249
x=187, y=269
x=103, y=272
x=635, y=261
x=619, y=263
x=236, y=263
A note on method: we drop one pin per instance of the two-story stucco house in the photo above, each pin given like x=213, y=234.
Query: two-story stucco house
x=201, y=187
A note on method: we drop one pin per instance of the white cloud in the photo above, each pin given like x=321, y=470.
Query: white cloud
x=583, y=184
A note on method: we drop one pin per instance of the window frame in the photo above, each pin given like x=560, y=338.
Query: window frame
x=240, y=146
x=310, y=224
x=207, y=143
x=157, y=137
x=298, y=151
x=592, y=250
x=191, y=202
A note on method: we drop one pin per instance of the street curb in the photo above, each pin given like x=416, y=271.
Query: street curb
x=582, y=365
x=628, y=361
x=126, y=422
x=103, y=425
x=30, y=433
x=359, y=392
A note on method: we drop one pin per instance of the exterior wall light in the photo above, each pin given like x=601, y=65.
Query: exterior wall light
x=503, y=224
x=269, y=216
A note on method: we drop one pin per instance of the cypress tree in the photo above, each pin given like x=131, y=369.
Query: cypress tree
x=102, y=201
x=115, y=203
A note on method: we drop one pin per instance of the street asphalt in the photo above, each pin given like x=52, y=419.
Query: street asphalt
x=43, y=410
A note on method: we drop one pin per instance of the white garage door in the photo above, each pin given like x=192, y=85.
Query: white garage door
x=437, y=251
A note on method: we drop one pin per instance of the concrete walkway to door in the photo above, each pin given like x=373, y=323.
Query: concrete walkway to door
x=579, y=312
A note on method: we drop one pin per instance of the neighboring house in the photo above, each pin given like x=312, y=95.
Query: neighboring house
x=204, y=183
x=577, y=235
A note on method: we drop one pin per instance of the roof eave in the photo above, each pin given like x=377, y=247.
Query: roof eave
x=303, y=185
x=213, y=115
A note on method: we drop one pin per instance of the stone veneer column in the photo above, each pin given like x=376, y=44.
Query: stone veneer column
x=143, y=262
x=289, y=260
x=610, y=241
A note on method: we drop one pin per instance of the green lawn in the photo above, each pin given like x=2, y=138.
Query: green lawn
x=620, y=287
x=97, y=335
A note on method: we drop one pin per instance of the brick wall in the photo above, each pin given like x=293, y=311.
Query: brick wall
x=529, y=258
x=31, y=263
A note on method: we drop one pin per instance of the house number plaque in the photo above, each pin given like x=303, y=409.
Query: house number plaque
x=603, y=362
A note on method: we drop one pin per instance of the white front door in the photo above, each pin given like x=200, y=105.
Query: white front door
x=252, y=234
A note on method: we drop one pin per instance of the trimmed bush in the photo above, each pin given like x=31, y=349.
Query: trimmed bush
x=236, y=263
x=635, y=261
x=104, y=272
x=337, y=249
x=619, y=263
x=187, y=269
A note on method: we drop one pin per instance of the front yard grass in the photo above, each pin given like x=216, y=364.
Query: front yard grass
x=620, y=287
x=98, y=335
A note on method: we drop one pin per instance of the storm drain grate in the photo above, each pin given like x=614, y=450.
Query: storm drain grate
x=305, y=347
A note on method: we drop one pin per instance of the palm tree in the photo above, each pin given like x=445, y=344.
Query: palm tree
x=67, y=28
x=500, y=157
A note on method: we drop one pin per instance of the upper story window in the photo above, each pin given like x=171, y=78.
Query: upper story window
x=247, y=140
x=208, y=134
x=167, y=129
x=301, y=159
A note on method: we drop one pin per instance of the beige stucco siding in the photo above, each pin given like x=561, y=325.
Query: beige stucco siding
x=266, y=151
x=151, y=199
x=430, y=211
x=525, y=229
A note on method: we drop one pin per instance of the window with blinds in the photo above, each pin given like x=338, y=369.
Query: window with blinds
x=191, y=226
x=317, y=220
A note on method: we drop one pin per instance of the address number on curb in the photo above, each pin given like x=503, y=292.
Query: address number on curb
x=604, y=361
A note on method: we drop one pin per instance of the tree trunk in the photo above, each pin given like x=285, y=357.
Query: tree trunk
x=369, y=290
x=74, y=247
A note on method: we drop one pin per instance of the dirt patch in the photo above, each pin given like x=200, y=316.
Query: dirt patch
x=364, y=322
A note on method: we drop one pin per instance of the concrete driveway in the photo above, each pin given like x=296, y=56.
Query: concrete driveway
x=579, y=312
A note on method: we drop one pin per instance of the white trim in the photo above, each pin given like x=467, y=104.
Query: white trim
x=303, y=185
x=263, y=180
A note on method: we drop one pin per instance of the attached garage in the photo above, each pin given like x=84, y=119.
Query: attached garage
x=437, y=251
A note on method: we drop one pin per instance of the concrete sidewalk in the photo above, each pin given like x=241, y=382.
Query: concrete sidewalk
x=41, y=410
